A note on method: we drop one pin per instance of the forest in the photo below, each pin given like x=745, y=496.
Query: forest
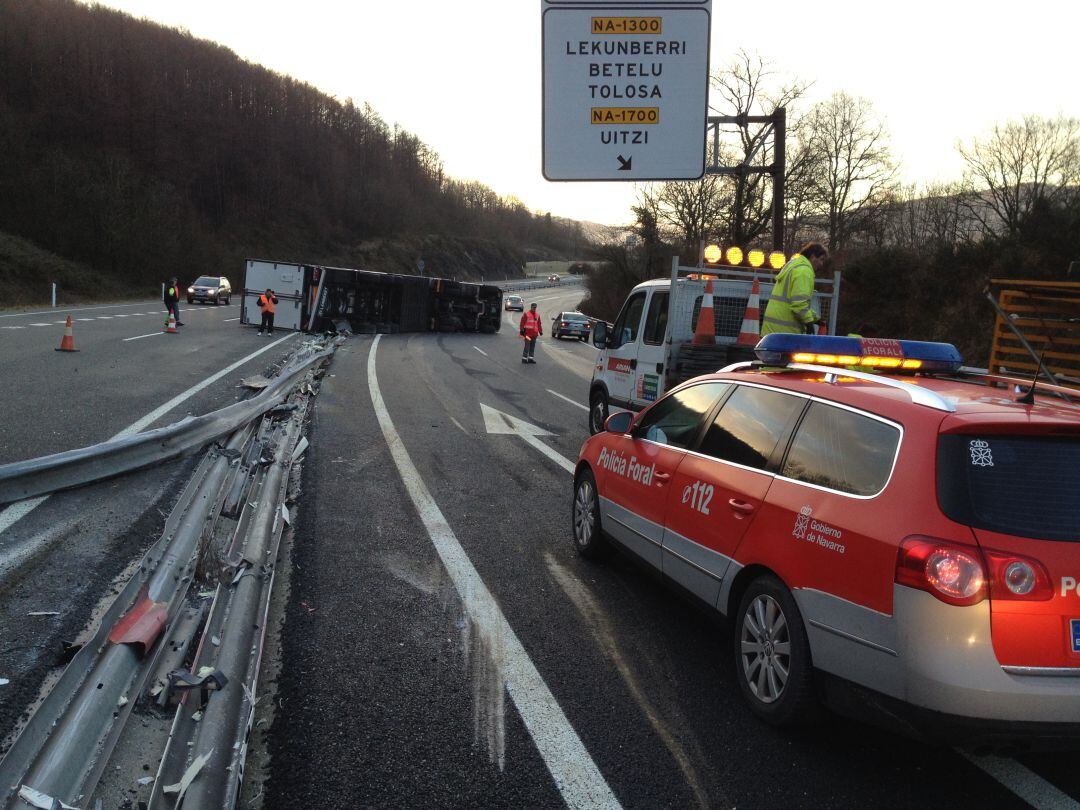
x=133, y=152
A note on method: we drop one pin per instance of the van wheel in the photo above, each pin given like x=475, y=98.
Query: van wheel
x=589, y=540
x=772, y=654
x=598, y=411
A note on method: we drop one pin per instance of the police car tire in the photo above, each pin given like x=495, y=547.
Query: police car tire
x=590, y=544
x=796, y=703
x=598, y=411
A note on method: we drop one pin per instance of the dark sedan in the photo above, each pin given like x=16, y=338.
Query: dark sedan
x=210, y=290
x=571, y=324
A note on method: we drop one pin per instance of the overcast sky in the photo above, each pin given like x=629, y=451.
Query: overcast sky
x=466, y=76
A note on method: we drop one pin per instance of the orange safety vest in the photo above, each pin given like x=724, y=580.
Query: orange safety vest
x=531, y=325
x=266, y=304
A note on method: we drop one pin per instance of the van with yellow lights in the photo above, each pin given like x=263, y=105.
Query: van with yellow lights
x=649, y=347
x=886, y=531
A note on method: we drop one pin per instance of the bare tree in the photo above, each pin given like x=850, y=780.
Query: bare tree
x=1019, y=166
x=852, y=169
x=693, y=209
x=750, y=86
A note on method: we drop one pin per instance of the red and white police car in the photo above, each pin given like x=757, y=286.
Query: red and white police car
x=882, y=528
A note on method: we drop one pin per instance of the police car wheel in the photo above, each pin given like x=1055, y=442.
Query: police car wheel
x=585, y=514
x=772, y=654
x=598, y=412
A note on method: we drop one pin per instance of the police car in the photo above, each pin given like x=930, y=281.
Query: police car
x=884, y=529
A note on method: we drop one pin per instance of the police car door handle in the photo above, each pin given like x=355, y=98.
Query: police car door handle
x=741, y=506
x=662, y=478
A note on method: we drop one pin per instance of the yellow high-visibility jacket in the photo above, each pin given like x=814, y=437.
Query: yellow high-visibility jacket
x=789, y=305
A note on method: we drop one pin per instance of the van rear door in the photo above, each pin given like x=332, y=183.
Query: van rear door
x=619, y=360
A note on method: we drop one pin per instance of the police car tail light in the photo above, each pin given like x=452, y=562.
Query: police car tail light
x=861, y=353
x=952, y=572
x=1016, y=578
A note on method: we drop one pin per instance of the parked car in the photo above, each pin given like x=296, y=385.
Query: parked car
x=210, y=290
x=882, y=529
x=515, y=302
x=571, y=324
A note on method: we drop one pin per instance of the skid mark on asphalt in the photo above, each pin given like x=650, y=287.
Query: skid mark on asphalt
x=604, y=634
x=576, y=776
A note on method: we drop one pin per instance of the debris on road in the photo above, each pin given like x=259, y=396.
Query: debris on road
x=181, y=787
x=256, y=382
x=35, y=798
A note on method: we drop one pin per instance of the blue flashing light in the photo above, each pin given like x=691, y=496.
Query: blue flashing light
x=878, y=354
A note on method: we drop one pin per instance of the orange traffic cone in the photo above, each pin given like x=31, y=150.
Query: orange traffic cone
x=705, y=332
x=749, y=333
x=67, y=344
x=170, y=327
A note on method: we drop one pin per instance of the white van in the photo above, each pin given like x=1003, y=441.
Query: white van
x=648, y=350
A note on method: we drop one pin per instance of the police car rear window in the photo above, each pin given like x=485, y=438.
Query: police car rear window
x=842, y=450
x=1025, y=486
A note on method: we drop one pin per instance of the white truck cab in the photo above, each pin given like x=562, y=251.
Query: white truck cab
x=648, y=349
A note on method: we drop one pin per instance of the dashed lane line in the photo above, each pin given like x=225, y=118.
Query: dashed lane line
x=576, y=775
x=230, y=319
x=20, y=509
x=566, y=398
x=140, y=337
x=1024, y=782
x=481, y=351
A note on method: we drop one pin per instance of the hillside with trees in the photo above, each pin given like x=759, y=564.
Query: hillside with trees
x=915, y=259
x=141, y=152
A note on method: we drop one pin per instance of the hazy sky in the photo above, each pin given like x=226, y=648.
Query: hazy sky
x=465, y=77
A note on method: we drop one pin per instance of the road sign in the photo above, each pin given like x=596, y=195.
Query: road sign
x=625, y=89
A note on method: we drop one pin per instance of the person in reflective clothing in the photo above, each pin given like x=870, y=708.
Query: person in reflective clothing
x=789, y=307
x=266, y=304
x=530, y=329
x=171, y=299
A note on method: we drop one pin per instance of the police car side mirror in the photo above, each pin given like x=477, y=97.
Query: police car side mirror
x=600, y=335
x=619, y=422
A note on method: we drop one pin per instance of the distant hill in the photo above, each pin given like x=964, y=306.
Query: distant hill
x=142, y=152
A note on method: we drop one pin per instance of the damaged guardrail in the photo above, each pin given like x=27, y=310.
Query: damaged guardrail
x=73, y=468
x=60, y=754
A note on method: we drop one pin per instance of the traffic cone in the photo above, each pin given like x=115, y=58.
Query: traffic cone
x=170, y=327
x=749, y=333
x=67, y=344
x=705, y=332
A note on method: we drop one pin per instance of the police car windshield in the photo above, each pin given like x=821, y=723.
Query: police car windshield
x=1019, y=485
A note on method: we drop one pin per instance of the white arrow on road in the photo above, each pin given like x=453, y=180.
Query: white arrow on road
x=498, y=422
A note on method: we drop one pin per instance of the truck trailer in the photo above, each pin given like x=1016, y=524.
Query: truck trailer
x=314, y=298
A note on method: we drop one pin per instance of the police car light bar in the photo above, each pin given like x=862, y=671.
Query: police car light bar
x=899, y=356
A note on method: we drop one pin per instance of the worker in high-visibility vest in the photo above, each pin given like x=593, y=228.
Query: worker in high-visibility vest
x=171, y=298
x=266, y=304
x=530, y=329
x=789, y=307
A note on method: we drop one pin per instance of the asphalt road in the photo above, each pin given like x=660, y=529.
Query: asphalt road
x=59, y=556
x=445, y=646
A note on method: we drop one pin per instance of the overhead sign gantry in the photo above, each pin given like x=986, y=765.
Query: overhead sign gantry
x=625, y=88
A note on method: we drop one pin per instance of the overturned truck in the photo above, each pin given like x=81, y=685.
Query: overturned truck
x=313, y=298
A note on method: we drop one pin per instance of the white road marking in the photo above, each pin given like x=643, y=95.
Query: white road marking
x=1025, y=783
x=45, y=324
x=576, y=775
x=21, y=509
x=104, y=318
x=495, y=421
x=68, y=309
x=575, y=404
x=230, y=319
x=83, y=319
x=481, y=351
x=16, y=327
x=140, y=337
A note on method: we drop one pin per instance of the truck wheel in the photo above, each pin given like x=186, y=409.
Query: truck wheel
x=589, y=540
x=598, y=411
x=772, y=654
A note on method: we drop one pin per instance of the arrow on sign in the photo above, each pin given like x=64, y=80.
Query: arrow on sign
x=497, y=422
x=624, y=163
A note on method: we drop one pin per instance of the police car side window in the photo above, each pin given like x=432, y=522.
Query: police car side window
x=626, y=325
x=842, y=450
x=675, y=419
x=749, y=425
